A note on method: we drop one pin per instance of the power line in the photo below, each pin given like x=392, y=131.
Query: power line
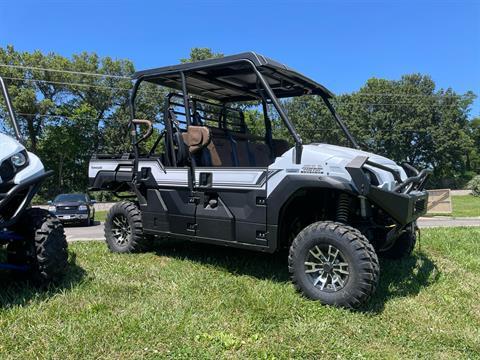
x=403, y=95
x=66, y=71
x=66, y=83
x=65, y=117
x=400, y=104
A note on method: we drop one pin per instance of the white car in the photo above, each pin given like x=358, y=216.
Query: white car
x=34, y=238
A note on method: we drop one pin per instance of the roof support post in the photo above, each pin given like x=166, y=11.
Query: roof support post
x=10, y=110
x=132, y=127
x=283, y=115
x=340, y=122
x=185, y=98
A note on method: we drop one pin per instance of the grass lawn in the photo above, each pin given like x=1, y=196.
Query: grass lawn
x=463, y=206
x=468, y=205
x=100, y=215
x=196, y=301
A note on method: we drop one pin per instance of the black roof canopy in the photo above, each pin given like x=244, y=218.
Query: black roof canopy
x=231, y=78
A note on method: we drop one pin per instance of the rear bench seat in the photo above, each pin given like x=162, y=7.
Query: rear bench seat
x=239, y=149
x=222, y=148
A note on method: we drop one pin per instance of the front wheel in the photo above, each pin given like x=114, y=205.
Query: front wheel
x=44, y=248
x=335, y=264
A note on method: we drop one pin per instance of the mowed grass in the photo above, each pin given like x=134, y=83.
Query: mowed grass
x=467, y=205
x=188, y=301
x=100, y=215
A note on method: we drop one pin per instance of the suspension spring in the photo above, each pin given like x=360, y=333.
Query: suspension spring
x=343, y=208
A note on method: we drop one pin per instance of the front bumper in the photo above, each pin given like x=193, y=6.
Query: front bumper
x=71, y=217
x=18, y=197
x=404, y=207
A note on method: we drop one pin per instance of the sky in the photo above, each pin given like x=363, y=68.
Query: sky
x=339, y=43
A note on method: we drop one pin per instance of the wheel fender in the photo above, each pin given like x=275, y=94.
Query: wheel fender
x=291, y=184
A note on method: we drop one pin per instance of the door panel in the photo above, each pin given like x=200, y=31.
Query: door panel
x=170, y=207
x=231, y=206
x=213, y=217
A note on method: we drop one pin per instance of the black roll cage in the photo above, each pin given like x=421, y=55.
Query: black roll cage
x=265, y=93
x=10, y=111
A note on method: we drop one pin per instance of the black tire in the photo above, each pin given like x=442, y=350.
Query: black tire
x=130, y=238
x=357, y=280
x=87, y=222
x=44, y=247
x=402, y=247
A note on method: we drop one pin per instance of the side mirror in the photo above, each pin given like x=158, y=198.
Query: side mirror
x=49, y=202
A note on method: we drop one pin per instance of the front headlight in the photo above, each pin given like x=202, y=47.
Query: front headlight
x=52, y=209
x=83, y=208
x=19, y=159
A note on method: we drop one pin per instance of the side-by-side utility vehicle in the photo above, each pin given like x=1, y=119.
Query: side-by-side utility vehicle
x=205, y=177
x=34, y=238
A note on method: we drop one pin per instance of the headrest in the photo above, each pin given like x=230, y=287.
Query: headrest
x=196, y=138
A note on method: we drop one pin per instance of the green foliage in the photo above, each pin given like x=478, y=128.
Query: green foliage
x=405, y=120
x=64, y=115
x=197, y=54
x=474, y=185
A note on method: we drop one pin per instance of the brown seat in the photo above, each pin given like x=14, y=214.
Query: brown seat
x=251, y=150
x=196, y=138
x=220, y=149
x=227, y=148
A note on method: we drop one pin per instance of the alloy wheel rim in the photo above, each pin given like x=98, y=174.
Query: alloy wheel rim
x=326, y=268
x=121, y=230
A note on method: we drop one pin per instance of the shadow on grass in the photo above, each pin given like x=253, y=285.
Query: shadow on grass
x=401, y=278
x=235, y=261
x=16, y=290
x=398, y=278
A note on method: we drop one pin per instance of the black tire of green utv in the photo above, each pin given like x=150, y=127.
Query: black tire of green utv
x=401, y=248
x=45, y=248
x=360, y=255
x=137, y=242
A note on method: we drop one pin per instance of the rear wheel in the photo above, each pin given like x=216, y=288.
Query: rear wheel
x=44, y=248
x=335, y=264
x=124, y=229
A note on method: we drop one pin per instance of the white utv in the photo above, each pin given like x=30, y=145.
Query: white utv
x=34, y=238
x=207, y=178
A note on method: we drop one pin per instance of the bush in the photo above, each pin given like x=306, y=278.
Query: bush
x=474, y=185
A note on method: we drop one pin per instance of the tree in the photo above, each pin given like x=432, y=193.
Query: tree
x=406, y=120
x=61, y=110
x=197, y=54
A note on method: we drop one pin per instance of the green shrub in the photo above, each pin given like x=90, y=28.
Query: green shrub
x=474, y=185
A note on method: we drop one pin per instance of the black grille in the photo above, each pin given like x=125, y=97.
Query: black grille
x=420, y=205
x=67, y=209
x=7, y=171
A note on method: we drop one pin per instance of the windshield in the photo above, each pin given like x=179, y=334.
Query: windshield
x=317, y=121
x=71, y=198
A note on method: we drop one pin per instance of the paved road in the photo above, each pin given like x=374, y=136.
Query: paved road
x=445, y=221
x=75, y=233
x=96, y=232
